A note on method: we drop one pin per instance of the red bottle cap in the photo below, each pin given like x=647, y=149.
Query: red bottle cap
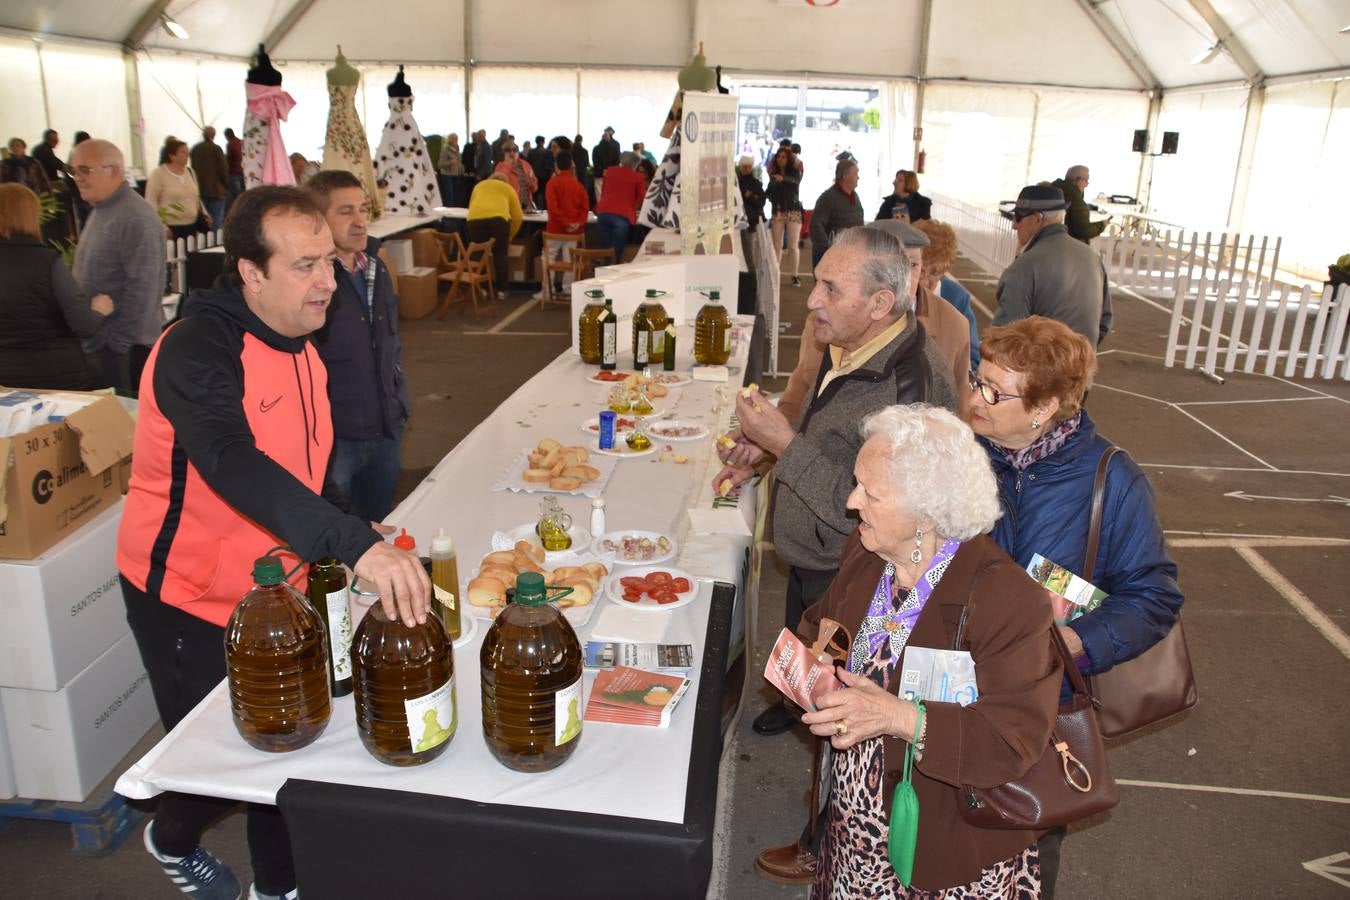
x=405, y=541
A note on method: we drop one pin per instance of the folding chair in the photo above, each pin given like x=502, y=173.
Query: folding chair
x=474, y=268
x=451, y=251
x=558, y=257
x=589, y=259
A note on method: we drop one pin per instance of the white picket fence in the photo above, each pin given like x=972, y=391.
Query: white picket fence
x=1308, y=334
x=1154, y=263
x=983, y=234
x=176, y=256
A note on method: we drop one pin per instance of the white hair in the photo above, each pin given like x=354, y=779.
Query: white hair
x=1054, y=217
x=105, y=151
x=938, y=470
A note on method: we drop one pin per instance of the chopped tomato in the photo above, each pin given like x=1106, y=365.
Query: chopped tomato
x=655, y=578
x=632, y=581
x=632, y=596
x=664, y=597
x=681, y=585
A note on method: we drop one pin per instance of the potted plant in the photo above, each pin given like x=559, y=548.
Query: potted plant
x=1338, y=273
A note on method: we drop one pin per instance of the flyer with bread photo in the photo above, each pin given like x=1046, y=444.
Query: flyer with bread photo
x=801, y=677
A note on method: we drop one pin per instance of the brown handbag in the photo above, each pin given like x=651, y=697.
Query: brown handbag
x=1070, y=781
x=1157, y=684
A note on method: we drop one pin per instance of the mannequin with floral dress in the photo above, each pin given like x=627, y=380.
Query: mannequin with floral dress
x=346, y=146
x=265, y=160
x=402, y=166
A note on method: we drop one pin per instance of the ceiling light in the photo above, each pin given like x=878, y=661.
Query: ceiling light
x=1345, y=30
x=172, y=27
x=1208, y=55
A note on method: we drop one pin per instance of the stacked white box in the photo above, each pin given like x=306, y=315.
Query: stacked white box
x=7, y=788
x=60, y=611
x=63, y=743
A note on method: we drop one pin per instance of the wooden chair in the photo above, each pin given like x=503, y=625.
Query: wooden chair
x=450, y=251
x=590, y=259
x=558, y=257
x=474, y=268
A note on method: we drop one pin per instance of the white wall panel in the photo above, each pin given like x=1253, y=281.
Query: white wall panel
x=86, y=91
x=631, y=101
x=978, y=141
x=1092, y=129
x=1056, y=43
x=1194, y=187
x=526, y=102
x=168, y=101
x=866, y=37
x=20, y=91
x=611, y=32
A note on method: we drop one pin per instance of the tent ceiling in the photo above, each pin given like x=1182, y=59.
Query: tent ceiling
x=1047, y=41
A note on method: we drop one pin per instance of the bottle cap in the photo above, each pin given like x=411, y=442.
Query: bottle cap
x=530, y=589
x=405, y=541
x=441, y=543
x=598, y=503
x=267, y=571
x=596, y=294
x=652, y=293
x=714, y=295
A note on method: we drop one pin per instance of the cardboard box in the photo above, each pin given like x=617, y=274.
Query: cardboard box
x=60, y=611
x=63, y=743
x=417, y=292
x=425, y=248
x=400, y=253
x=7, y=787
x=59, y=476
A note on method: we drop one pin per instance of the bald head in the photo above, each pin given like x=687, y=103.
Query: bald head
x=98, y=168
x=97, y=152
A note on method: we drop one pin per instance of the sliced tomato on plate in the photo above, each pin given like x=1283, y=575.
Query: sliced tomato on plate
x=632, y=582
x=632, y=596
x=681, y=585
x=664, y=597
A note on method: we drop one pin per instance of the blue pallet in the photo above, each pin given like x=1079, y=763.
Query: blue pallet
x=96, y=828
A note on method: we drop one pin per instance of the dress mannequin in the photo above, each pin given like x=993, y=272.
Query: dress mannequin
x=402, y=166
x=265, y=160
x=346, y=146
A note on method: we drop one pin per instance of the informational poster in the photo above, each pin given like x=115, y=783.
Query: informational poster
x=707, y=179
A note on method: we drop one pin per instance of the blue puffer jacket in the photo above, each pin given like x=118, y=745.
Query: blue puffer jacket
x=1046, y=509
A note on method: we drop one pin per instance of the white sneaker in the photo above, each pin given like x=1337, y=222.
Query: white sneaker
x=255, y=894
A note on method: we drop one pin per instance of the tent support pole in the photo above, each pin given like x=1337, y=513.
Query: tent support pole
x=42, y=82
x=468, y=68
x=288, y=22
x=924, y=36
x=134, y=109
x=1113, y=37
x=1242, y=175
x=145, y=24
x=1144, y=184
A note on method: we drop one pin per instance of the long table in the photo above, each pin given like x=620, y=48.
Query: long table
x=631, y=812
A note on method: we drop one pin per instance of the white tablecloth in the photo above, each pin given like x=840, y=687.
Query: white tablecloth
x=617, y=770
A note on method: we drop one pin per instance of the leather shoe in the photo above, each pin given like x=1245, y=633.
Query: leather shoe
x=793, y=864
x=774, y=720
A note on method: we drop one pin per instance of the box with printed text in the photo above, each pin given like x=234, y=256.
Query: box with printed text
x=60, y=611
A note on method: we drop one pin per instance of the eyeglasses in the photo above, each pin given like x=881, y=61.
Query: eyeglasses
x=86, y=171
x=1019, y=216
x=991, y=394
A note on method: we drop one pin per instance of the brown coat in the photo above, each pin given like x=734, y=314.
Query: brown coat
x=990, y=742
x=944, y=325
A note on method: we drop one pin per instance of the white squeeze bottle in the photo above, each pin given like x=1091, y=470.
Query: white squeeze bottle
x=597, y=518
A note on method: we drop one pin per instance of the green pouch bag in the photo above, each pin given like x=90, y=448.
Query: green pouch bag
x=904, y=824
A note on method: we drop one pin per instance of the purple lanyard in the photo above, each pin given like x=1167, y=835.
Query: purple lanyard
x=906, y=614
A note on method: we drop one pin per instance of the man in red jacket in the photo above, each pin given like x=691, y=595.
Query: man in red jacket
x=620, y=201
x=231, y=455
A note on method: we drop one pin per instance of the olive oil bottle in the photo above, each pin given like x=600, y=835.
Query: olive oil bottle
x=609, y=337
x=649, y=330
x=590, y=341
x=328, y=596
x=712, y=333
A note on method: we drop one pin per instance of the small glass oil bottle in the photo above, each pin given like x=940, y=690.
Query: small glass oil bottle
x=637, y=439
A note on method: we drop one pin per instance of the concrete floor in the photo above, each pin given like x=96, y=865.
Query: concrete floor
x=1268, y=742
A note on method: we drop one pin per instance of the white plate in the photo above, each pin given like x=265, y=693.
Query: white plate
x=614, y=589
x=621, y=450
x=468, y=628
x=663, y=378
x=654, y=430
x=592, y=425
x=610, y=557
x=581, y=539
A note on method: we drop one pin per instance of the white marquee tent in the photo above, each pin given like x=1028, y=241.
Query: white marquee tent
x=1005, y=92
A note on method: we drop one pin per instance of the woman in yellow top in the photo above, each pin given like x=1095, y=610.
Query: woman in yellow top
x=494, y=213
x=172, y=191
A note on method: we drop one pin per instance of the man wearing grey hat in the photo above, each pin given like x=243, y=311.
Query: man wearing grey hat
x=1054, y=276
x=1078, y=217
x=604, y=154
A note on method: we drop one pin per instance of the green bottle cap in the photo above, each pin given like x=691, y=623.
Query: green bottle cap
x=596, y=294
x=714, y=295
x=653, y=293
x=267, y=571
x=530, y=589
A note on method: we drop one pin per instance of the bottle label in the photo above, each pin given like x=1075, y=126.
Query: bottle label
x=567, y=713
x=640, y=351
x=443, y=597
x=609, y=352
x=432, y=718
x=340, y=634
x=658, y=342
x=726, y=341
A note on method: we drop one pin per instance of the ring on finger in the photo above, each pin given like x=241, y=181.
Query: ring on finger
x=840, y=728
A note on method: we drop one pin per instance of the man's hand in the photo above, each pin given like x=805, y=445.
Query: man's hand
x=405, y=590
x=763, y=424
x=102, y=304
x=735, y=474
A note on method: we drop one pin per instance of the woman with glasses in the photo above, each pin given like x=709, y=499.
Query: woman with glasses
x=1026, y=406
x=520, y=174
x=925, y=497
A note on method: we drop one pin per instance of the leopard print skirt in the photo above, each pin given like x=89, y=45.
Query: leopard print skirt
x=853, y=863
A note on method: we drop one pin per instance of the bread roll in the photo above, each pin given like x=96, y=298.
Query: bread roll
x=547, y=445
x=502, y=557
x=582, y=453
x=587, y=473
x=485, y=591
x=505, y=574
x=535, y=550
x=535, y=457
x=562, y=483
x=595, y=569
x=525, y=562
x=551, y=458
x=581, y=595
x=537, y=475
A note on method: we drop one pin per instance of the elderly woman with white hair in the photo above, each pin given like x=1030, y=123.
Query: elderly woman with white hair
x=921, y=571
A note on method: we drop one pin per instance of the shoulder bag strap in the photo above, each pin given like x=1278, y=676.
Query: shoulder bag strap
x=1095, y=523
